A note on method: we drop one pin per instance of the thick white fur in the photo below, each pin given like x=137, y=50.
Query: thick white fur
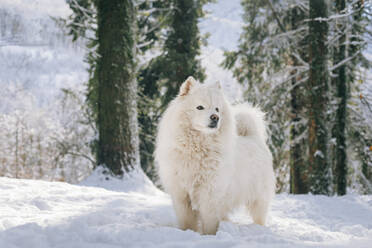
x=210, y=171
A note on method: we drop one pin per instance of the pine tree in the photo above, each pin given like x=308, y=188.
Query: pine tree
x=149, y=112
x=117, y=86
x=182, y=47
x=160, y=78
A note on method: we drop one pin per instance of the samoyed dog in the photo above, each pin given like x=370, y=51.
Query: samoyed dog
x=212, y=157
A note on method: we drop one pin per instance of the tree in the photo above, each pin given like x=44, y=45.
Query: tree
x=299, y=183
x=339, y=82
x=161, y=77
x=151, y=19
x=317, y=86
x=149, y=93
x=182, y=47
x=117, y=86
x=359, y=109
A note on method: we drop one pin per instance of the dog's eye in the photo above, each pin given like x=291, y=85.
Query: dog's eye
x=200, y=107
x=217, y=110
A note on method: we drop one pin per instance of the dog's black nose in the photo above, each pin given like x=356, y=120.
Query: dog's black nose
x=214, y=117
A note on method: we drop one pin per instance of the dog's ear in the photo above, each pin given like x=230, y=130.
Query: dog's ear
x=187, y=86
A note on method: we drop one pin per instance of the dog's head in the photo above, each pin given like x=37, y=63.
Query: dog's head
x=203, y=104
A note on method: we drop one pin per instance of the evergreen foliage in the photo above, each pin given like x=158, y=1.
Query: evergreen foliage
x=83, y=18
x=182, y=47
x=162, y=76
x=148, y=92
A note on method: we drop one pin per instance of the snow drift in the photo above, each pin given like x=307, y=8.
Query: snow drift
x=136, y=214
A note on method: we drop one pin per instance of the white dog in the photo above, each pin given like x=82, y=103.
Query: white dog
x=213, y=157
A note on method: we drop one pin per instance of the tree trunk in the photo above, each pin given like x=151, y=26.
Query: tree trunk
x=298, y=171
x=117, y=87
x=318, y=79
x=340, y=83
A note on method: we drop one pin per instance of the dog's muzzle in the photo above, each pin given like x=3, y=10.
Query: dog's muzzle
x=214, y=121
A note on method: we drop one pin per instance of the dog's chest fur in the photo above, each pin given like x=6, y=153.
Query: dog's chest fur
x=199, y=163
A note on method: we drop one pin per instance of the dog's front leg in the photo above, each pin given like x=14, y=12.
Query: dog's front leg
x=187, y=217
x=209, y=219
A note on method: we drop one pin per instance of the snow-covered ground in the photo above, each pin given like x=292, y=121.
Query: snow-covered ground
x=136, y=214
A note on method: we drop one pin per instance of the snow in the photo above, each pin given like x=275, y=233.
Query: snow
x=134, y=213
x=319, y=153
x=211, y=59
x=223, y=22
x=37, y=119
x=41, y=70
x=34, y=8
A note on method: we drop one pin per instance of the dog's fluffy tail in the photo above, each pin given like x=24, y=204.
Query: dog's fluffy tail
x=250, y=121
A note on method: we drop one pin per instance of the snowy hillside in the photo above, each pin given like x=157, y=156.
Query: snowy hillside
x=41, y=130
x=135, y=214
x=35, y=55
x=224, y=24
